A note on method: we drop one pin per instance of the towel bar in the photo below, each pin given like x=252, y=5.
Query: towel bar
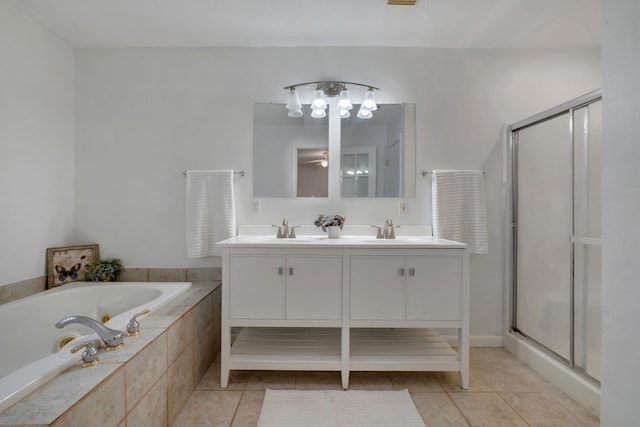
x=425, y=173
x=240, y=172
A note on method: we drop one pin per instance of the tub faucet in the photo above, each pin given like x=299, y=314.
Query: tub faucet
x=111, y=337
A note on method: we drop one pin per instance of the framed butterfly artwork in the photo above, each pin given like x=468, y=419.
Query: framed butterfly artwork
x=68, y=264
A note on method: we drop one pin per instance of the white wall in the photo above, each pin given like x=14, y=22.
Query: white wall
x=621, y=213
x=36, y=145
x=145, y=115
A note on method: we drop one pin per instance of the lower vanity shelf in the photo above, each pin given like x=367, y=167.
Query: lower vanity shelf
x=320, y=349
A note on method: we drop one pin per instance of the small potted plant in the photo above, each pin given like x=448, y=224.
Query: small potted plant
x=104, y=270
x=332, y=224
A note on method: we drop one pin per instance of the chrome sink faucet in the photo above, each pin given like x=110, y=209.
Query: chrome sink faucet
x=111, y=337
x=388, y=231
x=286, y=231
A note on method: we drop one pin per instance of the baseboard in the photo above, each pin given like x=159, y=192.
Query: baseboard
x=477, y=340
x=575, y=386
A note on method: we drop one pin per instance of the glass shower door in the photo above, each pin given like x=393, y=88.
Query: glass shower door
x=557, y=175
x=586, y=239
x=544, y=218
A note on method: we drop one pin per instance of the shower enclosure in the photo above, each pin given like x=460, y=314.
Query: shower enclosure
x=556, y=183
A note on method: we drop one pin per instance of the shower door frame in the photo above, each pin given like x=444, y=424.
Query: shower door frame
x=566, y=108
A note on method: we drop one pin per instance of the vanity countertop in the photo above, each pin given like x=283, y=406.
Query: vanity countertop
x=368, y=242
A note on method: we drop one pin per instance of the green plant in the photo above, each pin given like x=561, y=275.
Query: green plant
x=104, y=270
x=325, y=221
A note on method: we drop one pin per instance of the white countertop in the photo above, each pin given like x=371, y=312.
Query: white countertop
x=322, y=241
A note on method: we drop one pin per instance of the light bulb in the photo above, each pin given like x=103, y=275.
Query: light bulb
x=295, y=113
x=318, y=114
x=364, y=114
x=293, y=100
x=324, y=163
x=344, y=102
x=344, y=114
x=318, y=101
x=369, y=102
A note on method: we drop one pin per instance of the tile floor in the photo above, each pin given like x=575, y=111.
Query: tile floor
x=502, y=392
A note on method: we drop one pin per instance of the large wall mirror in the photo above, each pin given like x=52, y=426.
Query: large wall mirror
x=290, y=155
x=377, y=155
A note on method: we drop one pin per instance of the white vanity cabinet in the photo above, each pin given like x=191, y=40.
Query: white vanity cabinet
x=347, y=304
x=276, y=285
x=387, y=285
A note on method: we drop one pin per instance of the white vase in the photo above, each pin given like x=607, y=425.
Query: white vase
x=333, y=232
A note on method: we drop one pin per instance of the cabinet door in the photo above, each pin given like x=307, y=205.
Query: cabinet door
x=434, y=287
x=378, y=287
x=314, y=287
x=256, y=287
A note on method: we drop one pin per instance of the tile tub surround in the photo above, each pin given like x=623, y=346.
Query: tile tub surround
x=13, y=291
x=156, y=371
x=21, y=289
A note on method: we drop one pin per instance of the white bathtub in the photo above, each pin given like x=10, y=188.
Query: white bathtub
x=28, y=354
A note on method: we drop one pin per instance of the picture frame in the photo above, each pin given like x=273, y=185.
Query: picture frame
x=67, y=264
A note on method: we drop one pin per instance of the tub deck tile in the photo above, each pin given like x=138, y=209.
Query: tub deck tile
x=50, y=401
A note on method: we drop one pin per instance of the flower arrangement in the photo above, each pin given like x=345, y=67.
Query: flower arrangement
x=325, y=221
x=104, y=270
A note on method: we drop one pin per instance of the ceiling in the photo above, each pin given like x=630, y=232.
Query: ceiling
x=286, y=23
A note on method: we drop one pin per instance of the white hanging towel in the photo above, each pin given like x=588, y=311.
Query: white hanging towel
x=210, y=211
x=458, y=205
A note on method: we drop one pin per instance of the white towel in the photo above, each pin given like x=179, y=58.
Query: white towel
x=458, y=205
x=210, y=211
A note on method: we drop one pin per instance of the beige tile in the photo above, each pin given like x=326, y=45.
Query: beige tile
x=586, y=415
x=538, y=409
x=211, y=379
x=122, y=424
x=17, y=290
x=145, y=369
x=209, y=408
x=249, y=409
x=167, y=275
x=318, y=381
x=486, y=409
x=509, y=375
x=277, y=380
x=50, y=401
x=133, y=275
x=437, y=409
x=180, y=335
x=152, y=408
x=370, y=381
x=490, y=354
x=202, y=274
x=416, y=381
x=180, y=382
x=203, y=352
x=451, y=382
x=104, y=406
x=203, y=314
x=165, y=316
x=217, y=273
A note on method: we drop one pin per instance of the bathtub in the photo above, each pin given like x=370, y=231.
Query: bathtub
x=33, y=350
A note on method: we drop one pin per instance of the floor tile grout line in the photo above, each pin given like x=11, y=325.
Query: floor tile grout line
x=233, y=418
x=459, y=410
x=512, y=408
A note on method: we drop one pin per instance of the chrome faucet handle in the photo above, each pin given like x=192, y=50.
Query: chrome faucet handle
x=292, y=231
x=392, y=233
x=280, y=235
x=379, y=233
x=133, y=327
x=89, y=355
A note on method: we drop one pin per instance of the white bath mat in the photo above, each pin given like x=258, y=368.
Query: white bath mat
x=327, y=408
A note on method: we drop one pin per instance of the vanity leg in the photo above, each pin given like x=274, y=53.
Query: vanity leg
x=345, y=380
x=225, y=354
x=345, y=357
x=463, y=356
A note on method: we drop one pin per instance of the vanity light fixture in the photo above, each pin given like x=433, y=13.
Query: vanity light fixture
x=331, y=89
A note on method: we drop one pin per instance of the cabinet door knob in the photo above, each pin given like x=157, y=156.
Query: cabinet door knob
x=401, y=271
x=280, y=271
x=412, y=272
x=290, y=271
